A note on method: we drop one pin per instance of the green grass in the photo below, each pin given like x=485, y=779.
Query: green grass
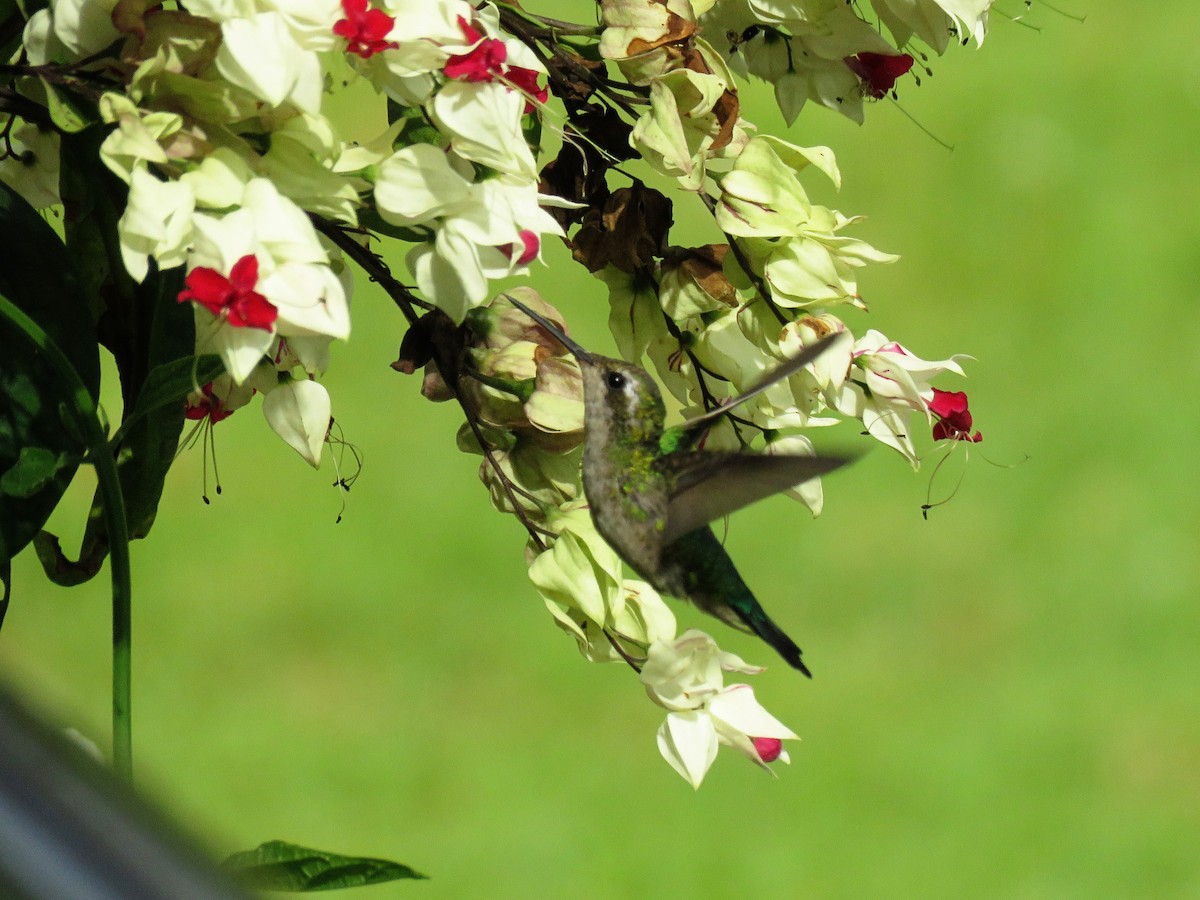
x=1005, y=695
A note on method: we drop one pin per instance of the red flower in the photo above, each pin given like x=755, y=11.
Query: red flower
x=530, y=245
x=878, y=71
x=954, y=419
x=525, y=81
x=209, y=406
x=483, y=62
x=768, y=749
x=234, y=298
x=365, y=28
x=486, y=62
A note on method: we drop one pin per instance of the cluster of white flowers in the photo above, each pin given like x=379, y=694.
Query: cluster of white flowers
x=221, y=138
x=222, y=135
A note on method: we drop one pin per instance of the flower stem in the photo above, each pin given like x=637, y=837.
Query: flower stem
x=82, y=408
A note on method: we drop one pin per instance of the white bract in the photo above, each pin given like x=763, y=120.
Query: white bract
x=157, y=223
x=33, y=169
x=260, y=54
x=481, y=227
x=580, y=580
x=890, y=384
x=299, y=412
x=686, y=677
x=293, y=275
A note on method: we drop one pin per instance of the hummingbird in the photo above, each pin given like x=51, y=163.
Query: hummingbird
x=652, y=494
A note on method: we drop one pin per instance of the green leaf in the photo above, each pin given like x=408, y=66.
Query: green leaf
x=280, y=866
x=35, y=277
x=93, y=200
x=6, y=580
x=149, y=445
x=34, y=469
x=171, y=383
x=148, y=437
x=66, y=110
x=144, y=327
x=417, y=128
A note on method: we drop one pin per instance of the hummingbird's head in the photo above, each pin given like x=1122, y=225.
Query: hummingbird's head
x=624, y=396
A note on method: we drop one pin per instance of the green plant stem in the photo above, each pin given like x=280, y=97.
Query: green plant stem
x=83, y=409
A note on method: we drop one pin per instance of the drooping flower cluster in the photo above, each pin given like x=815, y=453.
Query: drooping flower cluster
x=221, y=136
x=243, y=182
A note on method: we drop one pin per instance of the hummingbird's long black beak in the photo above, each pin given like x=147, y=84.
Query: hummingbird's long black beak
x=559, y=335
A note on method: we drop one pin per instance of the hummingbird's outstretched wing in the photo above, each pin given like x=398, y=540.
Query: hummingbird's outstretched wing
x=783, y=370
x=707, y=486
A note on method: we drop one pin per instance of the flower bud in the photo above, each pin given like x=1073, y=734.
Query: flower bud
x=768, y=749
x=693, y=282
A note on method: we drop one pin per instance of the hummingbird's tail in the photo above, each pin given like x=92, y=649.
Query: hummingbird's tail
x=760, y=623
x=697, y=567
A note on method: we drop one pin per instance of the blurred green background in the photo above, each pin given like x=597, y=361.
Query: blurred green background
x=1006, y=700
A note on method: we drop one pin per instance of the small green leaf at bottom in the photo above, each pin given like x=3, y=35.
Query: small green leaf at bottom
x=280, y=866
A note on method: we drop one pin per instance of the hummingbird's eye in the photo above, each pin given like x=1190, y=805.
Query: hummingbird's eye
x=616, y=380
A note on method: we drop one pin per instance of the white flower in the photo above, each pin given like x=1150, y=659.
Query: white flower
x=138, y=138
x=888, y=385
x=685, y=676
x=220, y=180
x=32, y=170
x=808, y=492
x=676, y=134
x=84, y=26
x=290, y=272
x=157, y=222
x=299, y=412
x=488, y=229
x=580, y=580
x=483, y=122
x=935, y=22
x=260, y=54
x=426, y=34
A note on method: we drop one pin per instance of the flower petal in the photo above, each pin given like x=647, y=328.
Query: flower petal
x=299, y=412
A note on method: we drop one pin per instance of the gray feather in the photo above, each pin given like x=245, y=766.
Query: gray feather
x=784, y=370
x=707, y=486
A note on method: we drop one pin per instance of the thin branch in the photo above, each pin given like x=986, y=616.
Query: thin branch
x=18, y=105
x=535, y=39
x=743, y=262
x=403, y=297
x=633, y=662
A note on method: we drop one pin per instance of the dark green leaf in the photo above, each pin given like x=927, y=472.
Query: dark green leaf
x=144, y=327
x=280, y=866
x=35, y=274
x=34, y=469
x=93, y=200
x=417, y=128
x=6, y=580
x=171, y=383
x=148, y=448
x=35, y=277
